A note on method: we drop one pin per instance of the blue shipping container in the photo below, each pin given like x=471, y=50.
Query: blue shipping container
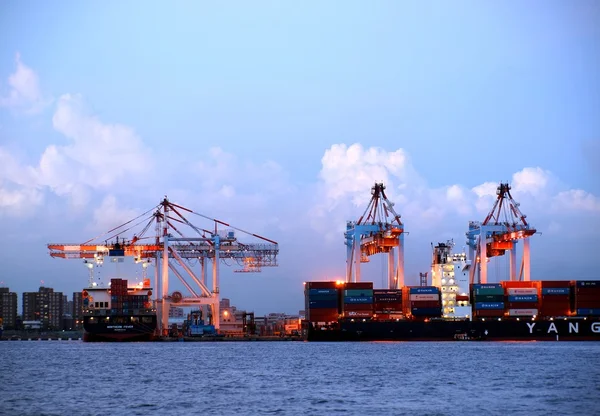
x=555, y=291
x=323, y=297
x=323, y=304
x=523, y=298
x=487, y=286
x=426, y=311
x=322, y=292
x=424, y=290
x=588, y=283
x=588, y=312
x=362, y=299
x=489, y=305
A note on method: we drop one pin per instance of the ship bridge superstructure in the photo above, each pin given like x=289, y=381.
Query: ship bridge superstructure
x=500, y=231
x=175, y=249
x=378, y=231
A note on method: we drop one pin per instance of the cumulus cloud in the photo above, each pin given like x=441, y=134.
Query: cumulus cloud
x=97, y=157
x=110, y=214
x=24, y=93
x=348, y=173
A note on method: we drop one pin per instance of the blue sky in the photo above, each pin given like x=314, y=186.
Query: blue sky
x=278, y=118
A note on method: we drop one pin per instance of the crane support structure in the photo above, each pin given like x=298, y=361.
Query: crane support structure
x=379, y=230
x=170, y=250
x=500, y=232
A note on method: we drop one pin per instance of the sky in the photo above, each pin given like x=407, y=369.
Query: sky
x=278, y=118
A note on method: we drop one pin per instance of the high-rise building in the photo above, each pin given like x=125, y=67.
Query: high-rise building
x=77, y=310
x=45, y=306
x=8, y=308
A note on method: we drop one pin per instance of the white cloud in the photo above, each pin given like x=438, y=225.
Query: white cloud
x=348, y=173
x=109, y=214
x=98, y=157
x=25, y=94
x=577, y=200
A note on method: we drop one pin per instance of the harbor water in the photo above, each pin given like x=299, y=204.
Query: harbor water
x=299, y=378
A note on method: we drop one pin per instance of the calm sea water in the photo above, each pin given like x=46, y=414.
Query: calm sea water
x=296, y=378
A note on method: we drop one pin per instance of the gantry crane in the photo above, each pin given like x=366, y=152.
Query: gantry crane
x=378, y=230
x=171, y=250
x=503, y=227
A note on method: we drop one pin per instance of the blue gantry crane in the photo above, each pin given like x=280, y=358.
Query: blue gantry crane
x=378, y=230
x=501, y=230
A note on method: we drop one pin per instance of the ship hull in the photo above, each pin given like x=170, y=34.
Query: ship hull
x=120, y=328
x=505, y=330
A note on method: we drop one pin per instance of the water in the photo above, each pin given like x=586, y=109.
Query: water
x=296, y=378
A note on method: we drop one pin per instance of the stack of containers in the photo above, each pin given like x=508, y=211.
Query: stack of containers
x=522, y=297
x=321, y=301
x=556, y=298
x=387, y=304
x=587, y=297
x=358, y=300
x=118, y=296
x=488, y=300
x=422, y=301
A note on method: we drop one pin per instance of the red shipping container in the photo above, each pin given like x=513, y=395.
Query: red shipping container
x=554, y=312
x=358, y=285
x=587, y=305
x=489, y=313
x=588, y=291
x=521, y=305
x=322, y=285
x=462, y=298
x=357, y=307
x=424, y=304
x=393, y=292
x=357, y=314
x=531, y=283
x=587, y=298
x=556, y=283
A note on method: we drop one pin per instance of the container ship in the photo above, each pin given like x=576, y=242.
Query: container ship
x=119, y=312
x=509, y=310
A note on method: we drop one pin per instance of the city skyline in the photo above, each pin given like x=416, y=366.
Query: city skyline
x=246, y=116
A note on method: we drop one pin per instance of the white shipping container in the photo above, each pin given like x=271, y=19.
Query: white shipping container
x=522, y=312
x=522, y=291
x=425, y=297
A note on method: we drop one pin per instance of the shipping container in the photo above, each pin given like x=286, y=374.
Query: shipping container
x=521, y=305
x=428, y=297
x=554, y=311
x=462, y=298
x=489, y=305
x=556, y=283
x=323, y=304
x=358, y=285
x=424, y=290
x=322, y=285
x=520, y=284
x=392, y=292
x=588, y=283
x=522, y=312
x=362, y=299
x=488, y=298
x=588, y=312
x=358, y=307
x=521, y=291
x=357, y=314
x=379, y=298
x=556, y=291
x=358, y=293
x=488, y=291
x=332, y=292
x=489, y=313
x=425, y=304
x=426, y=311
x=523, y=298
x=486, y=286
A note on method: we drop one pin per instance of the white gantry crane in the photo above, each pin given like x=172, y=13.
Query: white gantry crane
x=378, y=230
x=503, y=227
x=174, y=253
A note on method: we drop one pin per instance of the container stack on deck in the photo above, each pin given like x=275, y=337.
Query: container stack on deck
x=556, y=298
x=422, y=302
x=487, y=300
x=587, y=298
x=387, y=304
x=322, y=301
x=522, y=298
x=118, y=297
x=357, y=301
